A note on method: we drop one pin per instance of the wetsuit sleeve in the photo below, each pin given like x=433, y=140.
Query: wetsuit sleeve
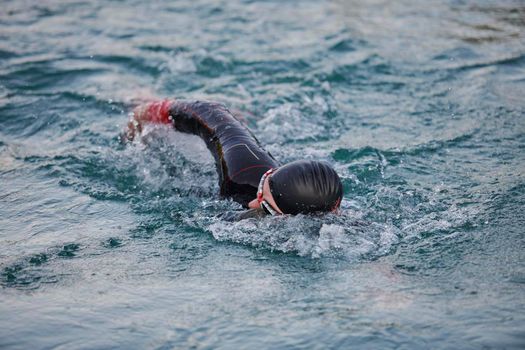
x=205, y=119
x=211, y=121
x=239, y=158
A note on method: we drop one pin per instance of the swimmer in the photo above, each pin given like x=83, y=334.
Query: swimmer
x=247, y=173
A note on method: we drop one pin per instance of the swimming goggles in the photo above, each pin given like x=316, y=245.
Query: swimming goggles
x=264, y=204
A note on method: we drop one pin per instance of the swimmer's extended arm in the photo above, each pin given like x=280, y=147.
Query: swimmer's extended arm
x=239, y=158
x=213, y=122
x=205, y=119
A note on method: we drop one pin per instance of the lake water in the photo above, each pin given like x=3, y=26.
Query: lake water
x=420, y=106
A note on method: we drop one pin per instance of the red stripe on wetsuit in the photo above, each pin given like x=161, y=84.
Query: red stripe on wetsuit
x=156, y=112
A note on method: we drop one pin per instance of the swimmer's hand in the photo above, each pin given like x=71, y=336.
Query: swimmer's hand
x=247, y=214
x=157, y=112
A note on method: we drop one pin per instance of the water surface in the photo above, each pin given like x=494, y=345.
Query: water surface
x=419, y=106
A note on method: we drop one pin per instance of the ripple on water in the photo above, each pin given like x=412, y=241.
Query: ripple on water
x=32, y=272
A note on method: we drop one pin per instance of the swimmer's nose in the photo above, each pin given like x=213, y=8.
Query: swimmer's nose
x=254, y=204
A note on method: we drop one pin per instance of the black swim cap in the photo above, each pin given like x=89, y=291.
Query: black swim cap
x=305, y=187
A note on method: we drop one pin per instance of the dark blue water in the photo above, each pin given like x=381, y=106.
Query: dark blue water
x=420, y=106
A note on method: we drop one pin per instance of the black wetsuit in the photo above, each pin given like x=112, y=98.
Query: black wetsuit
x=239, y=158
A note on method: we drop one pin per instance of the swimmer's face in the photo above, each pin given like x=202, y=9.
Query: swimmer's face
x=267, y=196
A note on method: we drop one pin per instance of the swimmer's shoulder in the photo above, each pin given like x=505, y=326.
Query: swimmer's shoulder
x=233, y=216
